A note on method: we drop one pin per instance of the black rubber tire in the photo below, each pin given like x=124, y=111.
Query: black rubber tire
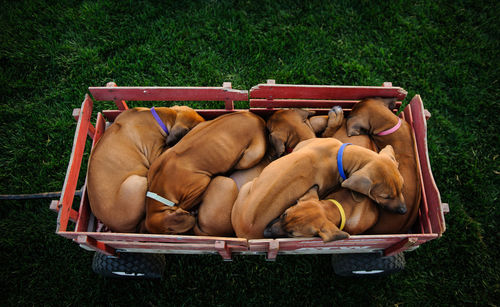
x=129, y=265
x=372, y=264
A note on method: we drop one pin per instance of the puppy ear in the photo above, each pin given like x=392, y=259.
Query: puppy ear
x=277, y=145
x=312, y=193
x=305, y=113
x=329, y=232
x=389, y=151
x=358, y=183
x=390, y=103
x=358, y=197
x=176, y=133
x=356, y=126
x=318, y=123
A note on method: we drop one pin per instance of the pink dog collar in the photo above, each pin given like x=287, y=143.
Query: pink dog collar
x=393, y=129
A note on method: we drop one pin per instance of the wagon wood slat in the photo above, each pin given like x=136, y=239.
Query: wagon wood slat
x=424, y=208
x=304, y=103
x=401, y=246
x=276, y=91
x=95, y=245
x=121, y=104
x=436, y=215
x=69, y=187
x=137, y=237
x=76, y=116
x=168, y=94
x=85, y=212
x=225, y=252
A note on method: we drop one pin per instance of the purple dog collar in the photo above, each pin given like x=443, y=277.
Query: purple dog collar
x=158, y=119
x=393, y=129
x=340, y=165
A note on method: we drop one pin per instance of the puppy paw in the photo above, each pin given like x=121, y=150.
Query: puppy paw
x=335, y=119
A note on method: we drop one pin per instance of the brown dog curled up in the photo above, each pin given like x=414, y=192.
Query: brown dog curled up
x=314, y=163
x=339, y=214
x=374, y=116
x=120, y=160
x=179, y=178
x=334, y=218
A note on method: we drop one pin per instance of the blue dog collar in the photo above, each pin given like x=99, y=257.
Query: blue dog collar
x=158, y=119
x=340, y=166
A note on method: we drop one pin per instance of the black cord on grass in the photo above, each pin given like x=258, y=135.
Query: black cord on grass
x=36, y=195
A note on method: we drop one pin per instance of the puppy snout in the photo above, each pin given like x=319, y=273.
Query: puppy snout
x=273, y=229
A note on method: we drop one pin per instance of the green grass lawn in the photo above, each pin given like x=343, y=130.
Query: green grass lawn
x=446, y=51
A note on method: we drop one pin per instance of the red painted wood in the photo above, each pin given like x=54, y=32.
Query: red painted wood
x=168, y=93
x=96, y=245
x=272, y=251
x=170, y=246
x=377, y=242
x=135, y=237
x=76, y=115
x=304, y=103
x=436, y=215
x=276, y=91
x=85, y=212
x=68, y=191
x=121, y=104
x=223, y=249
x=423, y=209
x=401, y=246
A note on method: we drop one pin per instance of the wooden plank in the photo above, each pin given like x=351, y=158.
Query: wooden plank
x=272, y=251
x=121, y=104
x=304, y=103
x=436, y=214
x=401, y=246
x=84, y=211
x=76, y=115
x=277, y=91
x=229, y=103
x=376, y=242
x=138, y=237
x=172, y=246
x=96, y=245
x=223, y=249
x=69, y=187
x=423, y=209
x=168, y=93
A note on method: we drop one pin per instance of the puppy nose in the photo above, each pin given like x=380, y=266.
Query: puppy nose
x=268, y=233
x=402, y=210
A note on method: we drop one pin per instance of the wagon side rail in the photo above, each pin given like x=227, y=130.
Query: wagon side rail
x=319, y=97
x=120, y=94
x=434, y=208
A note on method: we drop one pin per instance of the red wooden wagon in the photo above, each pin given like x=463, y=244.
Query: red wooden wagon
x=356, y=255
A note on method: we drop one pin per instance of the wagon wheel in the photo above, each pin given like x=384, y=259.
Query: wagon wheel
x=129, y=265
x=367, y=264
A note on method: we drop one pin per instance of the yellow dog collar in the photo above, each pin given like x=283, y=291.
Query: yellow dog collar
x=342, y=213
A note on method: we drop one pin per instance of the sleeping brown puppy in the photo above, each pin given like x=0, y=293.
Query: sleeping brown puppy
x=286, y=129
x=314, y=162
x=374, y=116
x=177, y=180
x=334, y=218
x=314, y=217
x=119, y=162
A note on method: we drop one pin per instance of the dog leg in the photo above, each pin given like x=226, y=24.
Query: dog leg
x=129, y=208
x=214, y=213
x=253, y=154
